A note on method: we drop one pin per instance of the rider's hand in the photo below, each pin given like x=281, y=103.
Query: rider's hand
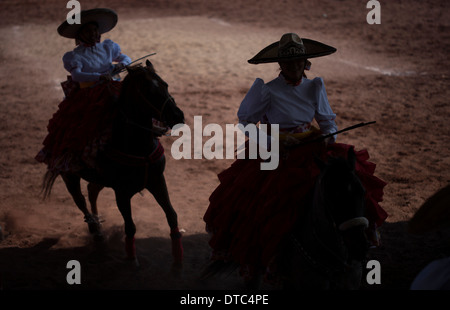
x=327, y=141
x=119, y=67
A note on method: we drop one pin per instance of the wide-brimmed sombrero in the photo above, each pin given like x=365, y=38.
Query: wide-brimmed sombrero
x=106, y=20
x=291, y=47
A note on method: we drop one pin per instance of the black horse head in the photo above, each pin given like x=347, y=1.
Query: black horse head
x=342, y=197
x=145, y=96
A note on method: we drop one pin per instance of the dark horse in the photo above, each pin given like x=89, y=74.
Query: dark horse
x=329, y=244
x=133, y=159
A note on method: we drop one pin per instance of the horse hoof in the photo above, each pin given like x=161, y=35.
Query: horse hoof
x=130, y=248
x=99, y=237
x=134, y=262
x=94, y=225
x=177, y=249
x=176, y=269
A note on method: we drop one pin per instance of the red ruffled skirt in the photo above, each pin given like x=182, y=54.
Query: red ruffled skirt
x=80, y=127
x=253, y=210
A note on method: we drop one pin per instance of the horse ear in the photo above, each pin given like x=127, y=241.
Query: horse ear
x=351, y=158
x=320, y=163
x=149, y=65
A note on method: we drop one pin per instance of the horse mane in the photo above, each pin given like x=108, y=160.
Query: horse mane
x=136, y=78
x=135, y=83
x=133, y=78
x=336, y=174
x=337, y=163
x=341, y=162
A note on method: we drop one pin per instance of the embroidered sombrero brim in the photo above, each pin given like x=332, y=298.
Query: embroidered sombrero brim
x=312, y=49
x=106, y=20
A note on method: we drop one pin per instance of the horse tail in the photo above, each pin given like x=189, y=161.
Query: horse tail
x=47, y=183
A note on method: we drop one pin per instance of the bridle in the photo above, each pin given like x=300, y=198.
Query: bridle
x=160, y=111
x=155, y=79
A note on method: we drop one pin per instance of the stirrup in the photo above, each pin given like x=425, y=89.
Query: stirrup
x=130, y=247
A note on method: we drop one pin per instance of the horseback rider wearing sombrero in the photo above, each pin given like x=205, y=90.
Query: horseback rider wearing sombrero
x=275, y=199
x=83, y=121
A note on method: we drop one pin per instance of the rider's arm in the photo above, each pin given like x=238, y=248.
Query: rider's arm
x=123, y=59
x=75, y=66
x=79, y=76
x=324, y=114
x=116, y=52
x=253, y=108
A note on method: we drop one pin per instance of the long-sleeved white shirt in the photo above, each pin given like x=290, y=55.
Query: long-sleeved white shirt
x=87, y=64
x=288, y=106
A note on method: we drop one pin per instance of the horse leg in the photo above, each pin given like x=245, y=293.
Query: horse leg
x=73, y=186
x=161, y=194
x=93, y=192
x=124, y=204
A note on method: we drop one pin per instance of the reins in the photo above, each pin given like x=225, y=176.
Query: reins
x=155, y=109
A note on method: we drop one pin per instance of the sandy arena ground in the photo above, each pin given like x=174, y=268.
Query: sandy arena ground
x=396, y=73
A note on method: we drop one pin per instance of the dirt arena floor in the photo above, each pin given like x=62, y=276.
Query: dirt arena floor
x=396, y=73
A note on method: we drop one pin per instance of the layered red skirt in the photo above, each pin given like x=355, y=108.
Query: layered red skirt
x=80, y=127
x=253, y=210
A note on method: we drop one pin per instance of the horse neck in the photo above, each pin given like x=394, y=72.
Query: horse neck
x=323, y=225
x=131, y=138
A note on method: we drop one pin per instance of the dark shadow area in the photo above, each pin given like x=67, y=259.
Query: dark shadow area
x=403, y=255
x=104, y=267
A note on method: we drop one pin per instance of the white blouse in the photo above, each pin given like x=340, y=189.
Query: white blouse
x=87, y=64
x=288, y=106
